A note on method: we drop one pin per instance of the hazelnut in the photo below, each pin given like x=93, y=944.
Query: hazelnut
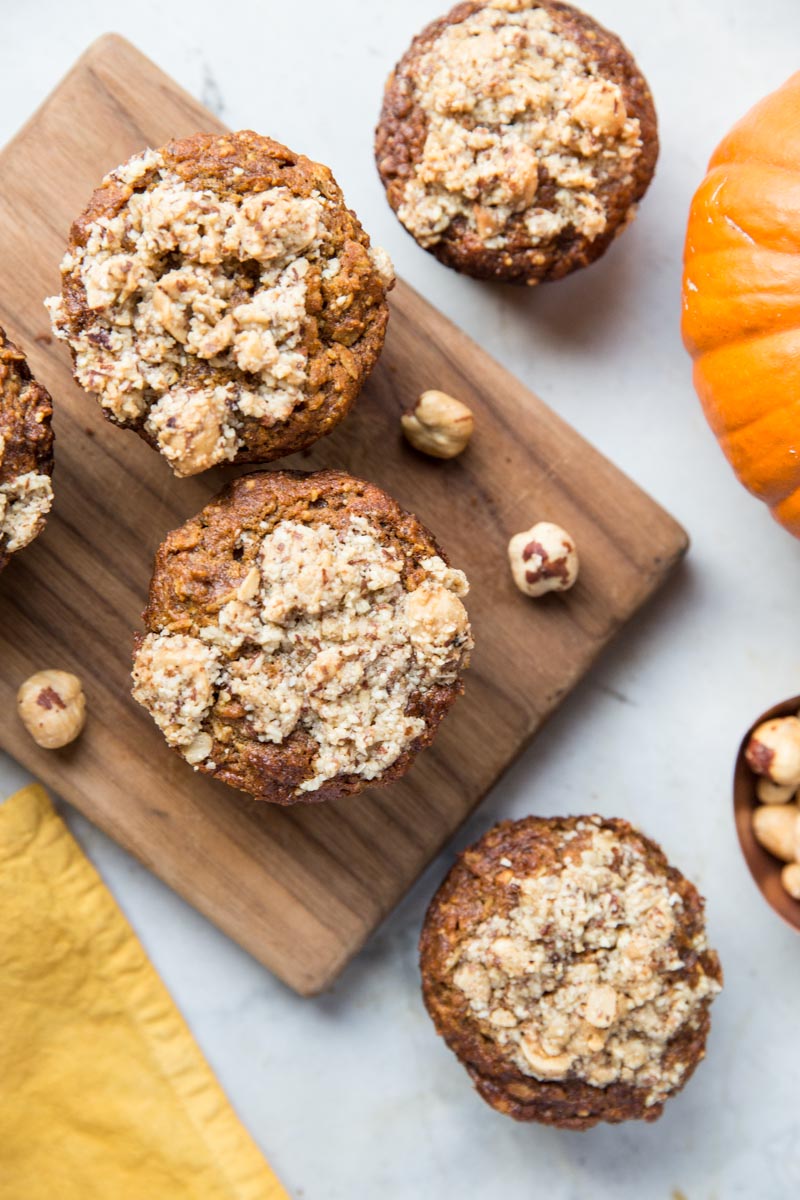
x=439, y=425
x=773, y=793
x=502, y=1018
x=199, y=748
x=774, y=751
x=543, y=559
x=790, y=878
x=248, y=588
x=474, y=982
x=435, y=616
x=52, y=707
x=545, y=1066
x=776, y=828
x=588, y=1038
x=601, y=1006
x=600, y=108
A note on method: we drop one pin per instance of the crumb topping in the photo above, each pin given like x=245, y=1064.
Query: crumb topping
x=24, y=503
x=582, y=978
x=322, y=637
x=520, y=125
x=198, y=308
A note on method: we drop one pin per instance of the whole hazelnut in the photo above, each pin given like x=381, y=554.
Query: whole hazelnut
x=52, y=707
x=790, y=878
x=773, y=793
x=543, y=559
x=774, y=751
x=439, y=425
x=776, y=828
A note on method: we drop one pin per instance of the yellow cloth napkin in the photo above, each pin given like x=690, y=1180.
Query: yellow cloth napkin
x=104, y=1095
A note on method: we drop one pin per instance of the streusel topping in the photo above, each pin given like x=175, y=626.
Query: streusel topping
x=582, y=978
x=509, y=103
x=24, y=504
x=322, y=636
x=180, y=281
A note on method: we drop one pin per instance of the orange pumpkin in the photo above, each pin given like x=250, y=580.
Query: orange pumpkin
x=741, y=299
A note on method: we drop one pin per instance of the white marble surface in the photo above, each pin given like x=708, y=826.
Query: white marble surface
x=351, y=1095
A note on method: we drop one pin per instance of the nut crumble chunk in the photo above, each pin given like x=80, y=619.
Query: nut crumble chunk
x=24, y=504
x=506, y=96
x=581, y=979
x=26, y=452
x=321, y=636
x=189, y=310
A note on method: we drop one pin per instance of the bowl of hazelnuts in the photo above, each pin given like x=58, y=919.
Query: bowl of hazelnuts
x=766, y=801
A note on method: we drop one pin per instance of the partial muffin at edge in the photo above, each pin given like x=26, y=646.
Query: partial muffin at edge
x=26, y=452
x=516, y=139
x=305, y=637
x=565, y=963
x=219, y=298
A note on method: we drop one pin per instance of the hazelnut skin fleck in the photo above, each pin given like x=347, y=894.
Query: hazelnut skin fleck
x=543, y=559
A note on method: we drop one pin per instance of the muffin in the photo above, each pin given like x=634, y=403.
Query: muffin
x=305, y=637
x=516, y=138
x=565, y=963
x=26, y=452
x=219, y=298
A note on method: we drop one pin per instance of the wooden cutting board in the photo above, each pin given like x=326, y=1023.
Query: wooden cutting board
x=301, y=889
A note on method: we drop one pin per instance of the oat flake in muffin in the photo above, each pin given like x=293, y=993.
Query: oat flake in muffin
x=511, y=140
x=220, y=298
x=321, y=635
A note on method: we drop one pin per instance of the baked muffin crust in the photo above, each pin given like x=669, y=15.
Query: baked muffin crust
x=26, y=452
x=516, y=138
x=219, y=298
x=566, y=964
x=305, y=637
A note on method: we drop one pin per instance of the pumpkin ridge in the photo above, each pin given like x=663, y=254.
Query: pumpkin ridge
x=788, y=513
x=741, y=299
x=769, y=487
x=757, y=424
x=716, y=309
x=768, y=199
x=747, y=341
x=745, y=164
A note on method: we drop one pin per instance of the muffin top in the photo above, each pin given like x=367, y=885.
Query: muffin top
x=219, y=298
x=568, y=957
x=516, y=137
x=26, y=452
x=305, y=637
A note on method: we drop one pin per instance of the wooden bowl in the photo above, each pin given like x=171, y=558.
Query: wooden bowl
x=764, y=867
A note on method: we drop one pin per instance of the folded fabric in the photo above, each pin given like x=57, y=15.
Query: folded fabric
x=104, y=1095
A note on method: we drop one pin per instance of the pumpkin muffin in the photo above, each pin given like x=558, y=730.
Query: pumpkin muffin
x=219, y=298
x=516, y=138
x=26, y=452
x=565, y=962
x=305, y=637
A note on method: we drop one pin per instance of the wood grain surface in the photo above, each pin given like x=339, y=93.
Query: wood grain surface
x=301, y=889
